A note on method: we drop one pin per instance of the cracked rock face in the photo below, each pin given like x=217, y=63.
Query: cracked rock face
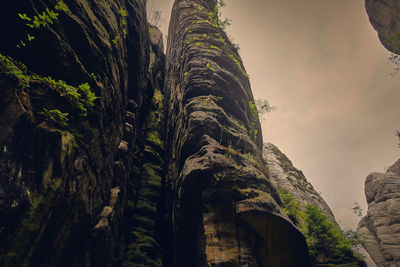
x=225, y=209
x=61, y=193
x=384, y=17
x=381, y=226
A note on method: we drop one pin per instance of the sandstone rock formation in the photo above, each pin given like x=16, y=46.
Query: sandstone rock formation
x=293, y=186
x=285, y=176
x=64, y=183
x=381, y=224
x=384, y=17
x=225, y=210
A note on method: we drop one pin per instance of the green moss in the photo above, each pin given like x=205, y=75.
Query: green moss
x=19, y=72
x=209, y=67
x=153, y=137
x=394, y=42
x=153, y=174
x=253, y=109
x=158, y=98
x=239, y=65
x=215, y=47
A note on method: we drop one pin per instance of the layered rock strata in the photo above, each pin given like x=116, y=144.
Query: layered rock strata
x=382, y=223
x=225, y=209
x=65, y=173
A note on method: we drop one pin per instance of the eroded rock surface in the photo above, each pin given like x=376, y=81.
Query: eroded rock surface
x=384, y=17
x=225, y=209
x=64, y=182
x=381, y=225
x=285, y=176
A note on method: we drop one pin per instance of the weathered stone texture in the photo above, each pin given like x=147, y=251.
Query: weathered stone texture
x=63, y=189
x=381, y=225
x=285, y=176
x=225, y=210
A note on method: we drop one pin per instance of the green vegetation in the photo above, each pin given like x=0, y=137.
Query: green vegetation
x=237, y=62
x=209, y=67
x=80, y=97
x=153, y=137
x=42, y=20
x=123, y=14
x=215, y=47
x=394, y=42
x=263, y=106
x=325, y=240
x=214, y=16
x=56, y=115
x=253, y=109
x=291, y=206
x=254, y=123
x=18, y=72
x=116, y=39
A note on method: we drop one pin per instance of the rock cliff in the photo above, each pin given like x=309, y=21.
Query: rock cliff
x=381, y=224
x=285, y=176
x=71, y=121
x=308, y=210
x=114, y=154
x=225, y=210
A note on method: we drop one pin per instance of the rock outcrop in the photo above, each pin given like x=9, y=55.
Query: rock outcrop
x=225, y=210
x=384, y=17
x=299, y=198
x=66, y=162
x=285, y=176
x=382, y=223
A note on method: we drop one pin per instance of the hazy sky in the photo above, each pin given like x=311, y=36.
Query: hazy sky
x=321, y=63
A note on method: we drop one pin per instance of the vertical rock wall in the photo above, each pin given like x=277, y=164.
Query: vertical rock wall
x=381, y=224
x=225, y=211
x=63, y=187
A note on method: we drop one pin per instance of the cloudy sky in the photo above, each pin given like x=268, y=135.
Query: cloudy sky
x=321, y=63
